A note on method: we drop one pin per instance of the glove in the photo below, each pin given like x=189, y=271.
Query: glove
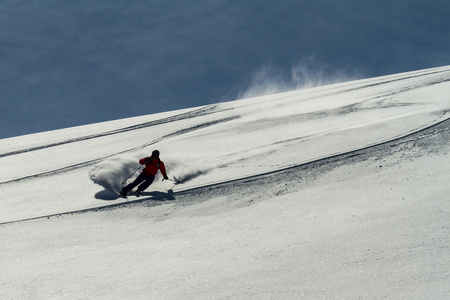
x=166, y=178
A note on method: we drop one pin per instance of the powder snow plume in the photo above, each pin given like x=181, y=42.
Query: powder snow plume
x=182, y=172
x=112, y=172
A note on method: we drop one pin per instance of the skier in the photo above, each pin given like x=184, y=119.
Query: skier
x=145, y=179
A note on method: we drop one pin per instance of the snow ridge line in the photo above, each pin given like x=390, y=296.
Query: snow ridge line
x=351, y=86
x=444, y=118
x=420, y=74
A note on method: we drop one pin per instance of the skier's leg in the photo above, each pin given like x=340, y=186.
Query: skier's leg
x=130, y=186
x=146, y=183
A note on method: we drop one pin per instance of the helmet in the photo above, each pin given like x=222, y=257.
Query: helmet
x=155, y=153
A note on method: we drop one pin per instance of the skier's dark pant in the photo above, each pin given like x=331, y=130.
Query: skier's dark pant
x=145, y=179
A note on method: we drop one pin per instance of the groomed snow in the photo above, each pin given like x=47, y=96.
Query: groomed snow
x=334, y=192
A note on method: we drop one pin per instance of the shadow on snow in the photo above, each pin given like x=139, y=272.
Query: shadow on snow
x=153, y=195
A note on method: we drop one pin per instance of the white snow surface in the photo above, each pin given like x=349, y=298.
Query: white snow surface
x=334, y=192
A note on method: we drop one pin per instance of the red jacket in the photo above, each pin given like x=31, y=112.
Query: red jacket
x=152, y=165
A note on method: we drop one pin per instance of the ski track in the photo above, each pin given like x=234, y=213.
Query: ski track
x=187, y=115
x=436, y=134
x=94, y=161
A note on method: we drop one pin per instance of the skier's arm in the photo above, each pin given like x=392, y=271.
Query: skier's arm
x=143, y=161
x=162, y=168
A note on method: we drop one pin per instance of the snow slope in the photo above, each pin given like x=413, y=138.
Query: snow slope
x=338, y=191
